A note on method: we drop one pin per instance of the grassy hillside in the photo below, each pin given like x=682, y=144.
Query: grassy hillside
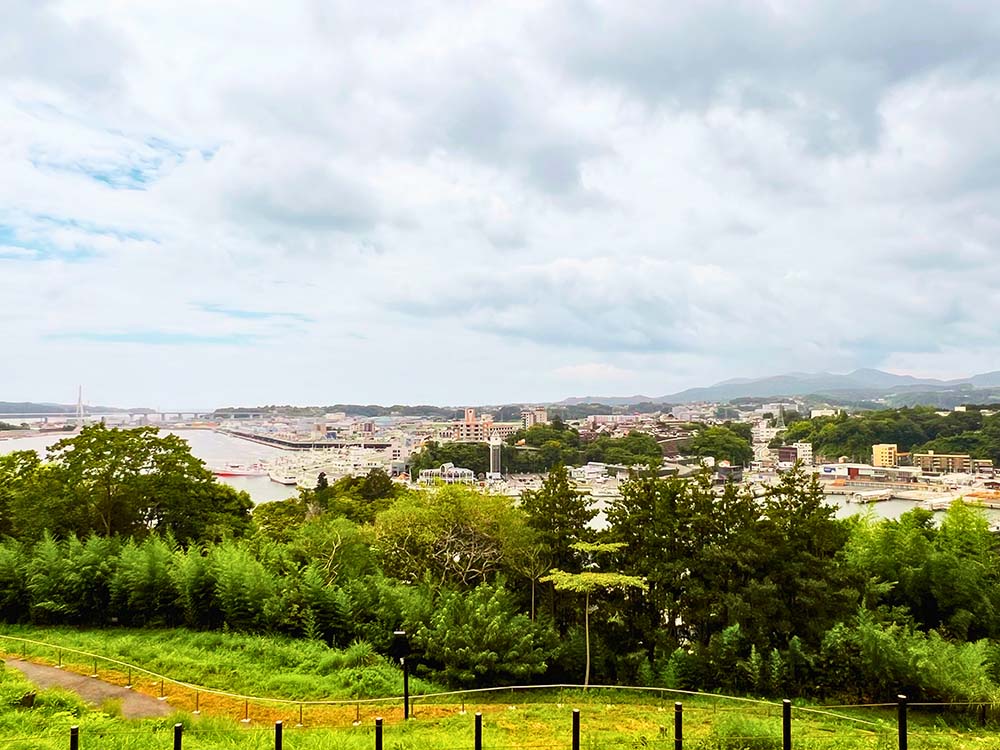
x=609, y=718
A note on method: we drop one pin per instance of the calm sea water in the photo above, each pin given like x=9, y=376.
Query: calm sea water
x=214, y=448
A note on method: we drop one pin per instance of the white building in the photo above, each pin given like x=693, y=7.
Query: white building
x=804, y=453
x=447, y=473
x=531, y=417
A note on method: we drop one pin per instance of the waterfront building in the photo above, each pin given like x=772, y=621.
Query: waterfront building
x=804, y=453
x=950, y=463
x=885, y=455
x=786, y=454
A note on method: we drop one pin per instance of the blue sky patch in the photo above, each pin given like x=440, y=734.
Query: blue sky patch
x=231, y=312
x=158, y=338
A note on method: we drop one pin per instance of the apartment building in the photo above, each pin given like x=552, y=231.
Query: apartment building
x=885, y=455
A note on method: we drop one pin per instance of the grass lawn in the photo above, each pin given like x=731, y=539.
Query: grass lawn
x=301, y=670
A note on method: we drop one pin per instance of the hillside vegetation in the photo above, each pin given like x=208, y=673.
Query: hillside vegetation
x=698, y=590
x=912, y=429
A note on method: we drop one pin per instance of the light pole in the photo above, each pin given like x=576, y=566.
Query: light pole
x=400, y=650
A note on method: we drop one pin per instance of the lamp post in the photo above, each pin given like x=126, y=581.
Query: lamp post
x=400, y=650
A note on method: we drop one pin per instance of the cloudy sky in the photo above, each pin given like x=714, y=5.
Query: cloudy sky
x=312, y=201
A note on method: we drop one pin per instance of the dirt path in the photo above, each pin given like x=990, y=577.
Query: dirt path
x=134, y=705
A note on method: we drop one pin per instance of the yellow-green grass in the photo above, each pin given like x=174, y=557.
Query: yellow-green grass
x=523, y=720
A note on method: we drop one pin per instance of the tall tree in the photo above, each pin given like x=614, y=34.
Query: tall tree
x=590, y=581
x=132, y=481
x=560, y=514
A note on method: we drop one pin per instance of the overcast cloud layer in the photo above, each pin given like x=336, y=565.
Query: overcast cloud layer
x=312, y=202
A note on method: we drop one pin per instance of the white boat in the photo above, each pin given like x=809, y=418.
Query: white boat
x=240, y=470
x=283, y=476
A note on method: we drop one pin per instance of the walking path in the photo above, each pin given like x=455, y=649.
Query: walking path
x=92, y=690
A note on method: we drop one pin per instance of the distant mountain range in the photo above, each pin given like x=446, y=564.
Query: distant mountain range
x=31, y=407
x=860, y=385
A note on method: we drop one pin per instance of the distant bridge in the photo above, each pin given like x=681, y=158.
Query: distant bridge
x=160, y=415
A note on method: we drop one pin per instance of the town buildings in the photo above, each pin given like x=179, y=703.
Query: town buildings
x=533, y=416
x=472, y=429
x=885, y=455
x=950, y=463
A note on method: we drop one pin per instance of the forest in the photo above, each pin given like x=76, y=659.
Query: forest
x=683, y=586
x=975, y=431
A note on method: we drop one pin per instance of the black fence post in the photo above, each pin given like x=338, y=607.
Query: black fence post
x=901, y=720
x=678, y=726
x=406, y=689
x=277, y=735
x=479, y=731
x=378, y=733
x=576, y=729
x=786, y=725
x=178, y=736
x=74, y=738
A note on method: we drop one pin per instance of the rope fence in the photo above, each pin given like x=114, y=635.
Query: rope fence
x=879, y=732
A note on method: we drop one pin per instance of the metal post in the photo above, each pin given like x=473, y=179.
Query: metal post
x=178, y=734
x=74, y=738
x=786, y=725
x=197, y=702
x=678, y=726
x=95, y=667
x=129, y=686
x=901, y=720
x=479, y=731
x=576, y=729
x=357, y=715
x=246, y=712
x=406, y=689
x=59, y=657
x=378, y=733
x=300, y=717
x=277, y=735
x=163, y=695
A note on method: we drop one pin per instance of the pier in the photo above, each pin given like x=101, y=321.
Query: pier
x=303, y=445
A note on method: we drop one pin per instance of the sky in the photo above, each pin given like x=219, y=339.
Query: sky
x=317, y=202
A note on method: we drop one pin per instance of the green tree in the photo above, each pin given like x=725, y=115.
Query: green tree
x=479, y=638
x=129, y=481
x=453, y=533
x=560, y=514
x=722, y=444
x=590, y=581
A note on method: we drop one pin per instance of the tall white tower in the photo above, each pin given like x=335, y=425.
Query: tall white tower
x=496, y=451
x=79, y=406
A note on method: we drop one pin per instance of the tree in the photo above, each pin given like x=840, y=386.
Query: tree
x=722, y=444
x=377, y=485
x=560, y=514
x=652, y=519
x=131, y=481
x=479, y=638
x=455, y=534
x=588, y=582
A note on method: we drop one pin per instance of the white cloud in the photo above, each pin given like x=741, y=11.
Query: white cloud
x=491, y=202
